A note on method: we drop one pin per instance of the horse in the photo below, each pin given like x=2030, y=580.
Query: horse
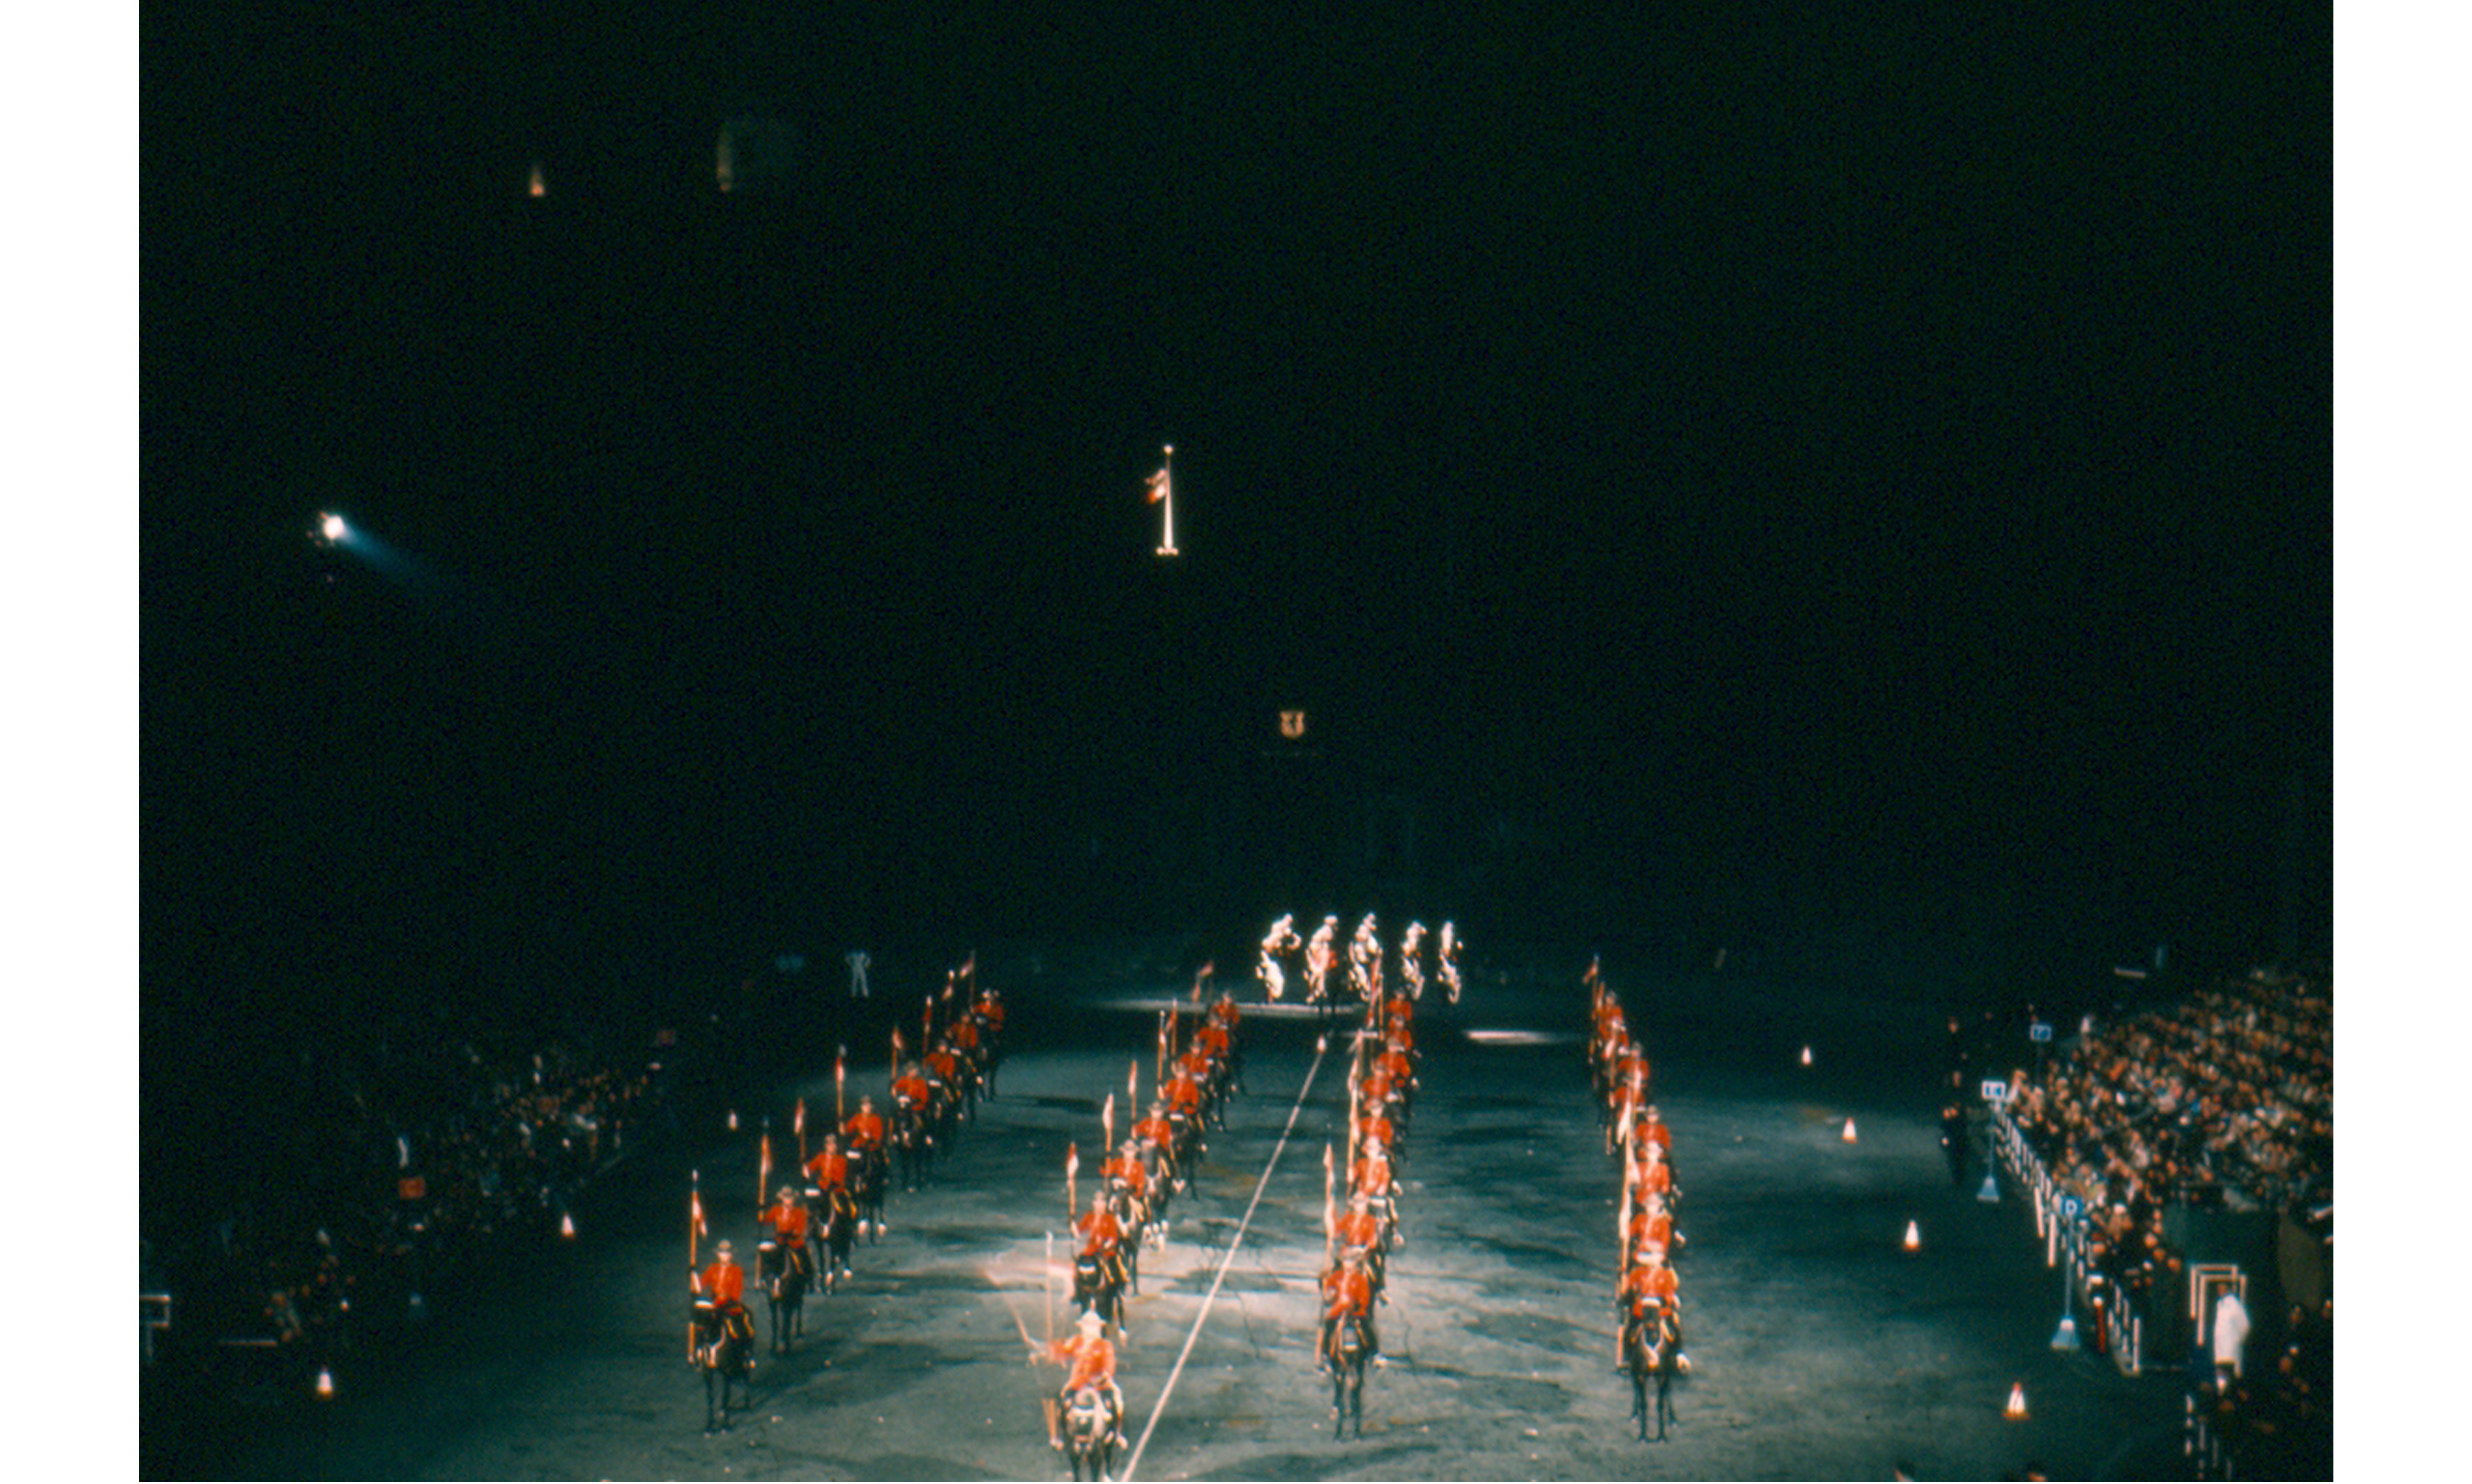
x=726, y=1354
x=836, y=1222
x=912, y=1145
x=786, y=1273
x=1651, y=1342
x=869, y=1180
x=1088, y=1437
x=1348, y=1375
x=1098, y=1291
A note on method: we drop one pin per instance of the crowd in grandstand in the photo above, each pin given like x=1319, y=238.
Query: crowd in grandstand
x=397, y=1164
x=2223, y=1101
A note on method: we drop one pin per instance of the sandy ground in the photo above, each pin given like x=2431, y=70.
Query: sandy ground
x=1821, y=1348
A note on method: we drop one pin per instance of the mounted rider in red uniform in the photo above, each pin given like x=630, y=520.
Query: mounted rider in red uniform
x=722, y=1284
x=1346, y=1290
x=1090, y=1360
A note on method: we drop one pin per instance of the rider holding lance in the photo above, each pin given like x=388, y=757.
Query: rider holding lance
x=1091, y=1362
x=1648, y=1288
x=1125, y=1169
x=722, y=1284
x=864, y=1130
x=1347, y=1289
x=829, y=1169
x=1103, y=1236
x=789, y=1220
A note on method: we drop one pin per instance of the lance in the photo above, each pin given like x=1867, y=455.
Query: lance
x=1072, y=1168
x=1622, y=1257
x=927, y=1021
x=1351, y=1131
x=1010, y=1312
x=1159, y=1076
x=694, y=1229
x=1132, y=1078
x=763, y=1166
x=894, y=1074
x=1047, y=1289
x=1329, y=1206
x=1173, y=1026
x=799, y=1124
x=840, y=1115
x=1108, y=1126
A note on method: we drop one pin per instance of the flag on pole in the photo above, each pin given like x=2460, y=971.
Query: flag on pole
x=1158, y=486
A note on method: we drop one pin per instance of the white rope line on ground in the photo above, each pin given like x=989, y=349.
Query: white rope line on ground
x=1133, y=1460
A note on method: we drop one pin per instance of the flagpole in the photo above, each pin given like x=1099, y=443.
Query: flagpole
x=1167, y=499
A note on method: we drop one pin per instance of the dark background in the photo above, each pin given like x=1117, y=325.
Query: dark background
x=1853, y=488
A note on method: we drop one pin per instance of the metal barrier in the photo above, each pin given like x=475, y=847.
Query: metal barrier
x=2066, y=1228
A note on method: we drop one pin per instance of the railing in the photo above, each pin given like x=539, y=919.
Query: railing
x=2066, y=1229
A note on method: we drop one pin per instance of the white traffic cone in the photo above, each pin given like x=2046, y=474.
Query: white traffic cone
x=1806, y=1056
x=2016, y=1411
x=1849, y=1130
x=1914, y=1236
x=1990, y=1194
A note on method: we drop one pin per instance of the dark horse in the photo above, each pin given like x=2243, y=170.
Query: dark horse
x=786, y=1273
x=725, y=1353
x=1348, y=1375
x=1651, y=1346
x=1088, y=1438
x=1098, y=1291
x=912, y=1145
x=837, y=1221
x=868, y=1177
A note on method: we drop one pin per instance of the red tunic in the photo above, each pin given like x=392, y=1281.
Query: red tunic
x=914, y=1090
x=1370, y=1177
x=1129, y=1171
x=788, y=1220
x=1157, y=1130
x=1650, y=1227
x=1092, y=1358
x=1654, y=1178
x=828, y=1168
x=725, y=1283
x=1346, y=1292
x=864, y=1130
x=1359, y=1229
x=1099, y=1232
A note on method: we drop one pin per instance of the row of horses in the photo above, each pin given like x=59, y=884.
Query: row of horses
x=1139, y=1179
x=928, y=1106
x=1381, y=1081
x=1649, y=1341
